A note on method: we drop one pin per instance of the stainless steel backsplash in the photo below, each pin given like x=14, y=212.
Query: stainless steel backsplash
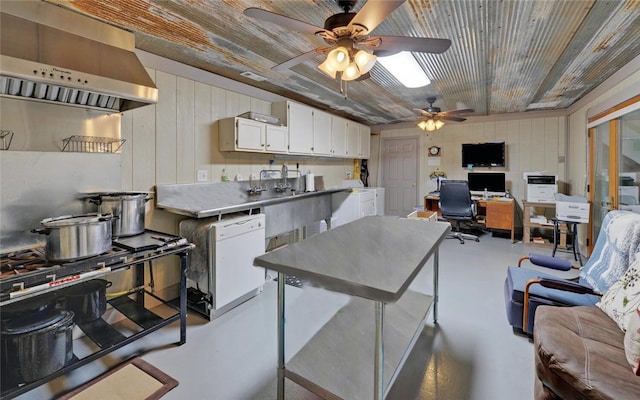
x=38, y=185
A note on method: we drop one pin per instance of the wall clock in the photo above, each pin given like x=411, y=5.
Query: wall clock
x=434, y=151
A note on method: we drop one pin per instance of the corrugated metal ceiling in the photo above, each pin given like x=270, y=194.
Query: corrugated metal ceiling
x=504, y=54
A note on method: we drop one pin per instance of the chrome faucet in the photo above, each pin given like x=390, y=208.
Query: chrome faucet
x=283, y=184
x=284, y=172
x=256, y=189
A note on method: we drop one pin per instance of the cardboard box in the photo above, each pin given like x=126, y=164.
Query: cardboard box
x=424, y=215
x=573, y=212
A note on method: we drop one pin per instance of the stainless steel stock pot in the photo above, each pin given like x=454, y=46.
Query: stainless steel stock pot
x=74, y=237
x=127, y=208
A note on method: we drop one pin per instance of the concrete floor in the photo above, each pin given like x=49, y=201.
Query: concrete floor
x=471, y=353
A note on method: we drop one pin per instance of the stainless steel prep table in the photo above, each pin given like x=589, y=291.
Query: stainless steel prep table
x=374, y=259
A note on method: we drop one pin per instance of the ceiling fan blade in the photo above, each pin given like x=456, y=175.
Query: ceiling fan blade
x=459, y=111
x=282, y=20
x=423, y=112
x=422, y=45
x=451, y=118
x=298, y=59
x=371, y=15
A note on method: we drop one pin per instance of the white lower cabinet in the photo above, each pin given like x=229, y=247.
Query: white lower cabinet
x=350, y=206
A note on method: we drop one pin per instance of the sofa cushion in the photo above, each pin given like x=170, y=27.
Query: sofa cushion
x=632, y=342
x=623, y=298
x=579, y=353
x=615, y=249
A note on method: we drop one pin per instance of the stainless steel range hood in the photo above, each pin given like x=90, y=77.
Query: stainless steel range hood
x=53, y=55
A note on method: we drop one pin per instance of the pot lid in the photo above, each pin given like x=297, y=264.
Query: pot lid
x=35, y=322
x=117, y=194
x=45, y=303
x=69, y=220
x=86, y=287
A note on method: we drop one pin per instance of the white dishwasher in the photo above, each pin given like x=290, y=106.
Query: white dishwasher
x=221, y=274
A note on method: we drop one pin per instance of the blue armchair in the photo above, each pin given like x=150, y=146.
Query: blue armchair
x=525, y=289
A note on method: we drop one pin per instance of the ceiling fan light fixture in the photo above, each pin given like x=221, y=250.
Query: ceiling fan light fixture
x=430, y=124
x=338, y=58
x=364, y=60
x=404, y=67
x=351, y=72
x=326, y=68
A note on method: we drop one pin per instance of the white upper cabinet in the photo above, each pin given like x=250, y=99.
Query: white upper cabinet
x=277, y=138
x=299, y=121
x=306, y=131
x=365, y=142
x=321, y=133
x=353, y=140
x=241, y=134
x=338, y=136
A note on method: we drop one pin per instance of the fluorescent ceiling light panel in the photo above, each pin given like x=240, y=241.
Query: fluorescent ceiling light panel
x=404, y=67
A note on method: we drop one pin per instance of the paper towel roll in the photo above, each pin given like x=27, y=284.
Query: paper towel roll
x=309, y=183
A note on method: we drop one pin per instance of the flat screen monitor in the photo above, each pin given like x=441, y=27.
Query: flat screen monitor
x=490, y=154
x=492, y=181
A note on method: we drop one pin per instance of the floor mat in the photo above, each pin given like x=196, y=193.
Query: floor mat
x=135, y=379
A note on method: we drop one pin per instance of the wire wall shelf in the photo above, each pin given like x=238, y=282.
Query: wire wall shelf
x=5, y=139
x=91, y=144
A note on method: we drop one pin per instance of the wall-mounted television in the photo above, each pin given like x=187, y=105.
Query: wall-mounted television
x=489, y=154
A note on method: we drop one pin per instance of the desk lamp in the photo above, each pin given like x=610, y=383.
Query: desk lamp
x=438, y=174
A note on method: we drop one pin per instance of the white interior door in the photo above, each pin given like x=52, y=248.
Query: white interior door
x=400, y=175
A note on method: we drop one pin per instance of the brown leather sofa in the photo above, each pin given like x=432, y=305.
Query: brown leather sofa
x=579, y=354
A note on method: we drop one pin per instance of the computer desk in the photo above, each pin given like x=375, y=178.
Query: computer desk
x=498, y=212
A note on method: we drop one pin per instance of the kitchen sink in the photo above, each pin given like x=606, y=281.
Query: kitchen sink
x=296, y=211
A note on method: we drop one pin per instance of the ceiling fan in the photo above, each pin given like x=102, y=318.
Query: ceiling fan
x=349, y=46
x=434, y=116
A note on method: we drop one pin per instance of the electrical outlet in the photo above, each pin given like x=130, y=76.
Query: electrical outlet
x=202, y=175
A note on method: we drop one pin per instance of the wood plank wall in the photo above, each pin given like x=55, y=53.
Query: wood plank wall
x=169, y=142
x=535, y=144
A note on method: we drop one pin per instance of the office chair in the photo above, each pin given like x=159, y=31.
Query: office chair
x=456, y=205
x=617, y=247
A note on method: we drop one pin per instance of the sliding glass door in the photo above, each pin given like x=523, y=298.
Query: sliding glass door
x=602, y=201
x=614, y=168
x=629, y=162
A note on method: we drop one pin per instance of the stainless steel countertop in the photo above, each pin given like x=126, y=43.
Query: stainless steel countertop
x=373, y=257
x=201, y=200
